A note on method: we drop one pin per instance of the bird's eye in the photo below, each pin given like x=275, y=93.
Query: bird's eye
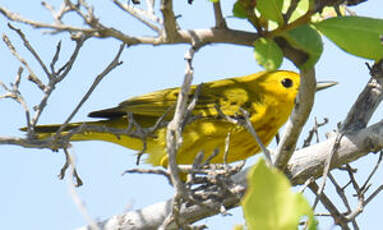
x=287, y=82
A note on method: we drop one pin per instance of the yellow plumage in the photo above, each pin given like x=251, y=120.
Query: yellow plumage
x=267, y=96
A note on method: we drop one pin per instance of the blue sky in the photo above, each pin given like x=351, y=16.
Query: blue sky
x=32, y=197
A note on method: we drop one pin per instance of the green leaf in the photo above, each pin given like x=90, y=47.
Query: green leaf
x=308, y=40
x=269, y=202
x=271, y=10
x=267, y=53
x=214, y=1
x=240, y=8
x=356, y=35
x=302, y=8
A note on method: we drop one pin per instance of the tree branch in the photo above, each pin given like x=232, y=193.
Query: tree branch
x=305, y=101
x=205, y=36
x=367, y=102
x=304, y=164
x=219, y=19
x=170, y=32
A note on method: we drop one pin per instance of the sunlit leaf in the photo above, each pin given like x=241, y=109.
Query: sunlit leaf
x=302, y=8
x=267, y=53
x=356, y=35
x=269, y=202
x=271, y=10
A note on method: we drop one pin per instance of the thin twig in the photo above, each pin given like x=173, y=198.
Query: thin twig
x=340, y=191
x=374, y=194
x=115, y=62
x=16, y=95
x=149, y=171
x=313, y=131
x=326, y=170
x=32, y=76
x=174, y=133
x=306, y=184
x=31, y=49
x=76, y=198
x=55, y=79
x=338, y=217
x=73, y=172
x=365, y=185
x=247, y=124
x=142, y=15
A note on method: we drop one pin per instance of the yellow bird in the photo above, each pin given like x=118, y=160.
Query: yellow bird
x=267, y=96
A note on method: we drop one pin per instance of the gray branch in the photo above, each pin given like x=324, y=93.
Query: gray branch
x=305, y=163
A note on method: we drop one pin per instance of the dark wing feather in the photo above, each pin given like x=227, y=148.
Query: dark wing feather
x=108, y=113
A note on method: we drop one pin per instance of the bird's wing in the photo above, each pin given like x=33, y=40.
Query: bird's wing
x=228, y=94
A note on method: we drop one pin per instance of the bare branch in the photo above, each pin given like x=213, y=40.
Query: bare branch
x=174, y=140
x=205, y=36
x=65, y=8
x=170, y=24
x=73, y=171
x=326, y=170
x=115, y=62
x=305, y=100
x=314, y=132
x=378, y=163
x=352, y=146
x=15, y=94
x=79, y=203
x=55, y=79
x=219, y=19
x=374, y=194
x=32, y=76
x=30, y=48
x=247, y=124
x=304, y=164
x=149, y=171
x=340, y=192
x=36, y=24
x=142, y=15
x=367, y=102
x=338, y=217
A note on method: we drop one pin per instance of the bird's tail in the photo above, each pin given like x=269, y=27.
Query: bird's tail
x=45, y=131
x=153, y=145
x=52, y=128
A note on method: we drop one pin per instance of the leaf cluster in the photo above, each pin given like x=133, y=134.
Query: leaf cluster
x=302, y=24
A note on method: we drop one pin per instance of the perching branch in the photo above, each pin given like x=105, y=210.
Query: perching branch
x=304, y=164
